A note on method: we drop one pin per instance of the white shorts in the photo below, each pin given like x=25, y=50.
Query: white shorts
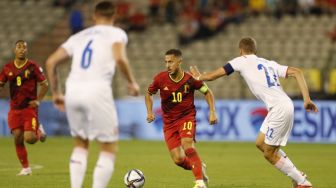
x=278, y=124
x=92, y=115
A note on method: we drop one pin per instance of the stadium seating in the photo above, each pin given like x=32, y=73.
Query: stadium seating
x=24, y=20
x=296, y=41
x=293, y=40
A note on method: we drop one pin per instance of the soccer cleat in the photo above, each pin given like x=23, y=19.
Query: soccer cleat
x=304, y=186
x=199, y=184
x=25, y=172
x=205, y=176
x=41, y=134
x=296, y=184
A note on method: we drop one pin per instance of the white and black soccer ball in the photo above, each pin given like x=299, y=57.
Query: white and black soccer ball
x=134, y=178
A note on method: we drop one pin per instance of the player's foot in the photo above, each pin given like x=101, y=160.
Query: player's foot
x=305, y=184
x=205, y=176
x=25, y=172
x=295, y=184
x=41, y=134
x=200, y=184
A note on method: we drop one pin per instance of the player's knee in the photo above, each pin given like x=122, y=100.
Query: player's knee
x=187, y=143
x=260, y=145
x=30, y=139
x=179, y=161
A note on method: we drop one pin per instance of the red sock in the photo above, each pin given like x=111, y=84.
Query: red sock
x=195, y=163
x=185, y=164
x=22, y=155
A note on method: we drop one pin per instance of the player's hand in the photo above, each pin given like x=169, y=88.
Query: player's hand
x=310, y=106
x=150, y=117
x=194, y=72
x=59, y=102
x=212, y=118
x=133, y=89
x=34, y=103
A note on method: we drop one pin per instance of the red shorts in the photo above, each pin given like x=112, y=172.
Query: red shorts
x=24, y=119
x=183, y=128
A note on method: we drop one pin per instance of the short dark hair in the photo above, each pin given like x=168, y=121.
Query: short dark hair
x=105, y=9
x=19, y=41
x=248, y=45
x=175, y=52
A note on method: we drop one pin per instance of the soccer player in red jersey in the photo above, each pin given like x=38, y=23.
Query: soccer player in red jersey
x=177, y=102
x=23, y=76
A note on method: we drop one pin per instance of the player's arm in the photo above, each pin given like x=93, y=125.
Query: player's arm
x=149, y=106
x=209, y=97
x=207, y=76
x=53, y=60
x=42, y=92
x=299, y=76
x=119, y=53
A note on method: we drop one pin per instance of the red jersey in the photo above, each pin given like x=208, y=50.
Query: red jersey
x=22, y=82
x=177, y=98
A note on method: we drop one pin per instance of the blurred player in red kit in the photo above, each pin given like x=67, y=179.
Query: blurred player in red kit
x=24, y=76
x=179, y=115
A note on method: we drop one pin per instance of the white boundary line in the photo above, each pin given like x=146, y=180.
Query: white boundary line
x=32, y=166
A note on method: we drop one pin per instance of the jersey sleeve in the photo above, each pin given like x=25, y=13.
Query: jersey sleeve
x=233, y=65
x=198, y=84
x=280, y=69
x=39, y=73
x=68, y=46
x=3, y=77
x=154, y=86
x=119, y=36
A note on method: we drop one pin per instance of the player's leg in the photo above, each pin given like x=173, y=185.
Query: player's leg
x=78, y=162
x=78, y=122
x=104, y=128
x=21, y=152
x=173, y=142
x=105, y=164
x=260, y=144
x=284, y=165
x=275, y=132
x=30, y=125
x=15, y=123
x=187, y=133
x=41, y=134
x=195, y=161
x=179, y=158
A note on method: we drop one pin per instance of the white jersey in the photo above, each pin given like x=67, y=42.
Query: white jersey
x=92, y=59
x=88, y=101
x=262, y=77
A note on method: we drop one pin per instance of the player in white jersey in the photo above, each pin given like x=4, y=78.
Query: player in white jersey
x=88, y=101
x=262, y=77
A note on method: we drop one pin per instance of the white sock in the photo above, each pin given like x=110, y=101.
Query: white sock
x=288, y=168
x=282, y=153
x=78, y=163
x=103, y=170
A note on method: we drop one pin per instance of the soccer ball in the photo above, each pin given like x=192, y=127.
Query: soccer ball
x=134, y=178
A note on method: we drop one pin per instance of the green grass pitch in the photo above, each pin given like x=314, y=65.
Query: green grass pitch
x=230, y=165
